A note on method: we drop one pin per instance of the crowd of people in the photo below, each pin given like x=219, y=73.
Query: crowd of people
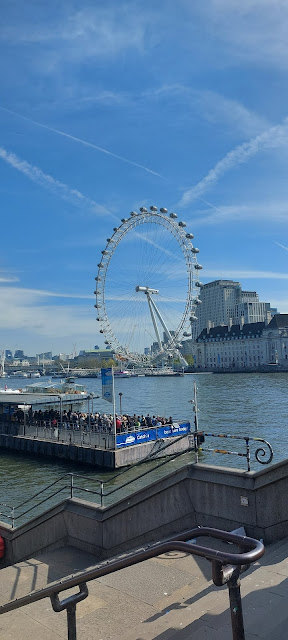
x=95, y=421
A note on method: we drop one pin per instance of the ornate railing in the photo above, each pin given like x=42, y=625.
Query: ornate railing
x=262, y=455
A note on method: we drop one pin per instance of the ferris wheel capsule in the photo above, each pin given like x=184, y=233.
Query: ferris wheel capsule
x=189, y=236
x=195, y=250
x=139, y=300
x=198, y=266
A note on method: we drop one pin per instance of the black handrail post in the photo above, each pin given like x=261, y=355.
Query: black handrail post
x=71, y=485
x=248, y=454
x=102, y=492
x=70, y=605
x=196, y=446
x=71, y=622
x=236, y=612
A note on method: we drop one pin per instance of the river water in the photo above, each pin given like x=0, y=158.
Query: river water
x=239, y=404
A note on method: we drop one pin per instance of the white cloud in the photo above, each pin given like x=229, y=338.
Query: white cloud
x=34, y=294
x=223, y=214
x=252, y=30
x=238, y=274
x=212, y=107
x=8, y=279
x=47, y=181
x=25, y=311
x=75, y=36
x=217, y=108
x=272, y=138
x=281, y=304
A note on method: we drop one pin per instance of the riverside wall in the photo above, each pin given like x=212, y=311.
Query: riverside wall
x=195, y=495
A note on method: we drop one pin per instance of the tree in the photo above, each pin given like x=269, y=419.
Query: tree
x=190, y=360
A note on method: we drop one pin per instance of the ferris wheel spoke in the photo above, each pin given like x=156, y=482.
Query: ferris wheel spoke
x=146, y=284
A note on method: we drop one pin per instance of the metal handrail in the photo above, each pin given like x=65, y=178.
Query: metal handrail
x=42, y=490
x=226, y=569
x=199, y=438
x=99, y=481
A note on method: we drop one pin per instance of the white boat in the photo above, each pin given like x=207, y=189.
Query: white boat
x=20, y=374
x=66, y=387
x=67, y=391
x=122, y=374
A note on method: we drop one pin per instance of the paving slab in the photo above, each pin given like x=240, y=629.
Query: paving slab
x=167, y=598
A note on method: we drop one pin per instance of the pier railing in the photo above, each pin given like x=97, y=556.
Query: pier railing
x=88, y=435
x=105, y=439
x=226, y=569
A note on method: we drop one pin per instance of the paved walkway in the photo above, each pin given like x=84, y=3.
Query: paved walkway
x=166, y=598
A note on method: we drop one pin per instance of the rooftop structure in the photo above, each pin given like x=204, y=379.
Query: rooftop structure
x=250, y=346
x=223, y=302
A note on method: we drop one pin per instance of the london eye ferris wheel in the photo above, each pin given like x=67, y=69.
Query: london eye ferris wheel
x=147, y=287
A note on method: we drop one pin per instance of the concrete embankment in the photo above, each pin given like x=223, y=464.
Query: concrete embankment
x=196, y=495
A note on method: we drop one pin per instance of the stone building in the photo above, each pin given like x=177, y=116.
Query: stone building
x=223, y=302
x=249, y=346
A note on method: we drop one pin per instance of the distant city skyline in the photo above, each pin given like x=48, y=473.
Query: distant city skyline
x=105, y=108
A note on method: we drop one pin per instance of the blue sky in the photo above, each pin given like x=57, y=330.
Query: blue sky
x=109, y=106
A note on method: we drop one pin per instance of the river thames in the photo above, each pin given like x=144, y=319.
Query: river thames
x=253, y=404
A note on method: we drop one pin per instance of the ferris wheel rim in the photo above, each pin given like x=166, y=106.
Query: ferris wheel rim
x=184, y=240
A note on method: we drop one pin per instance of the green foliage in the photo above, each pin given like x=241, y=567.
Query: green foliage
x=86, y=362
x=190, y=360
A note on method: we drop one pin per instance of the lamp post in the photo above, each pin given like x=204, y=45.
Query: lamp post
x=60, y=400
x=24, y=419
x=96, y=397
x=120, y=398
x=90, y=397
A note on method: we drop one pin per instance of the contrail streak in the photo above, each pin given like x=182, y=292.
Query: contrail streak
x=273, y=137
x=81, y=141
x=52, y=184
x=281, y=245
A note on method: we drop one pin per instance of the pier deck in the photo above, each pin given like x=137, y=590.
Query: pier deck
x=166, y=598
